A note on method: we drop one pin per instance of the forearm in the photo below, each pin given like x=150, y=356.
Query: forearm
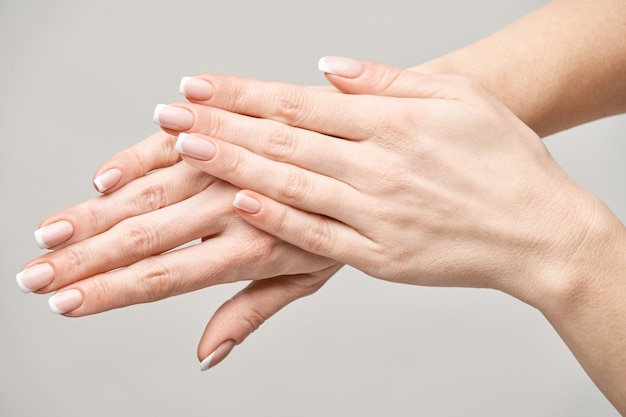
x=558, y=67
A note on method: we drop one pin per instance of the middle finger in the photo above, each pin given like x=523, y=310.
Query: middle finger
x=311, y=150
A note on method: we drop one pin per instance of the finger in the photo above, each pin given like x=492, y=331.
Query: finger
x=277, y=141
x=287, y=183
x=313, y=109
x=143, y=195
x=138, y=237
x=240, y=316
x=309, y=231
x=154, y=152
x=220, y=260
x=365, y=77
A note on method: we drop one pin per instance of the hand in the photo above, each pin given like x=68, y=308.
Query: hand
x=448, y=189
x=123, y=179
x=135, y=229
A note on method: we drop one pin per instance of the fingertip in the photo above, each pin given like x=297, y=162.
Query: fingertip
x=218, y=355
x=156, y=116
x=247, y=203
x=107, y=180
x=341, y=66
x=183, y=83
x=53, y=234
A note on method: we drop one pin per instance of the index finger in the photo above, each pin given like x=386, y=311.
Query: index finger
x=312, y=109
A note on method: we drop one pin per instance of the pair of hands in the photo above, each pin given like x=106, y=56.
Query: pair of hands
x=414, y=178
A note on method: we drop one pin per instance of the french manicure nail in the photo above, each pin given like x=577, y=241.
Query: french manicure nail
x=343, y=67
x=218, y=355
x=107, y=179
x=65, y=301
x=53, y=234
x=172, y=117
x=36, y=277
x=195, y=88
x=247, y=203
x=195, y=147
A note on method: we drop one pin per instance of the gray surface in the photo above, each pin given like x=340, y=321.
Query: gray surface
x=79, y=81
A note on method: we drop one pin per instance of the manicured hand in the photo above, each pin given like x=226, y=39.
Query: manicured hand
x=117, y=250
x=448, y=188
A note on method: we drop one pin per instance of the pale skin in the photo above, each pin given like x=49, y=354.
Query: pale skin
x=205, y=267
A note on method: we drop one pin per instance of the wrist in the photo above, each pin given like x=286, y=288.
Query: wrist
x=583, y=264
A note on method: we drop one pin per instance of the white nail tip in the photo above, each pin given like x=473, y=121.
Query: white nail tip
x=183, y=83
x=179, y=142
x=20, y=284
x=39, y=240
x=53, y=306
x=157, y=112
x=204, y=365
x=98, y=183
x=323, y=66
x=237, y=201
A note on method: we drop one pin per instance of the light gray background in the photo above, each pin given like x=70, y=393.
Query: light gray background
x=79, y=81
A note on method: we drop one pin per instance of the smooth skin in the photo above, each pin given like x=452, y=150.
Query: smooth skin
x=517, y=75
x=449, y=189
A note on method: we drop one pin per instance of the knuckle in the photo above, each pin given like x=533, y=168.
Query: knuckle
x=262, y=248
x=235, y=164
x=279, y=222
x=290, y=105
x=253, y=319
x=214, y=123
x=386, y=80
x=318, y=237
x=95, y=217
x=295, y=187
x=101, y=290
x=152, y=197
x=75, y=258
x=387, y=262
x=279, y=144
x=306, y=285
x=137, y=158
x=391, y=131
x=139, y=240
x=157, y=280
x=387, y=177
x=168, y=146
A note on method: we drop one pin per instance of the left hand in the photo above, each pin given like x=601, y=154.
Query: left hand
x=124, y=249
x=448, y=189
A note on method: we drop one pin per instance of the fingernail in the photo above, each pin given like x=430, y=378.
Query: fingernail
x=195, y=88
x=344, y=67
x=195, y=147
x=36, y=277
x=173, y=117
x=53, y=234
x=247, y=203
x=107, y=179
x=218, y=355
x=63, y=302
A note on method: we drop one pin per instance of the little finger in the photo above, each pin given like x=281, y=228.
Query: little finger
x=154, y=152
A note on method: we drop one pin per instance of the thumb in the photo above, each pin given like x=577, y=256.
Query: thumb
x=364, y=77
x=237, y=318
